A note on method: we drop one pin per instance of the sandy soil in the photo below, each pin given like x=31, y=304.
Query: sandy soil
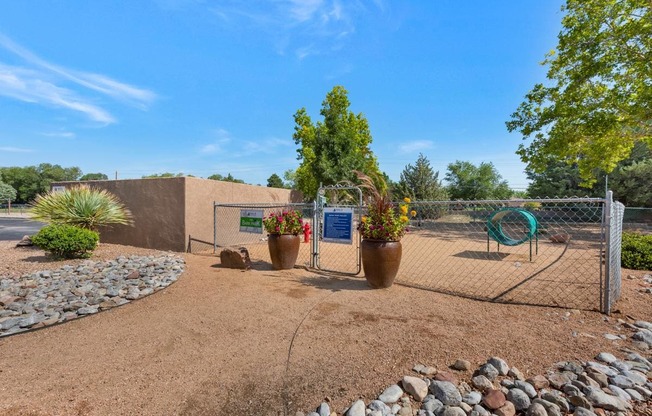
x=218, y=342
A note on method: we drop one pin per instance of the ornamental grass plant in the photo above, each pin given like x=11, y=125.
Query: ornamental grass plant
x=284, y=222
x=385, y=220
x=82, y=207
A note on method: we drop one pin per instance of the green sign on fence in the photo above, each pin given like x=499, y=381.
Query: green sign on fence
x=251, y=221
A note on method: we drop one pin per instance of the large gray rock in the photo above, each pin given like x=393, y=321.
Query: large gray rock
x=446, y=392
x=526, y=387
x=488, y=371
x=551, y=408
x=378, y=406
x=324, y=409
x=499, y=364
x=556, y=397
x=391, y=394
x=644, y=335
x=357, y=409
x=606, y=357
x=598, y=398
x=453, y=411
x=482, y=383
x=580, y=411
x=472, y=398
x=536, y=409
x=520, y=400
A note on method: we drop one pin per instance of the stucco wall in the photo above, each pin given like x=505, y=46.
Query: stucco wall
x=167, y=210
x=201, y=193
x=158, y=208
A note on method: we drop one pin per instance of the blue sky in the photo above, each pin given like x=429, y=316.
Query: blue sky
x=210, y=86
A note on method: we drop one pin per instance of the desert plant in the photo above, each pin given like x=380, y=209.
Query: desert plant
x=384, y=221
x=636, y=251
x=66, y=241
x=81, y=206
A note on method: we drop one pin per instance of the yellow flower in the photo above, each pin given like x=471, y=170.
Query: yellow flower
x=406, y=199
x=404, y=209
x=364, y=219
x=413, y=213
x=404, y=218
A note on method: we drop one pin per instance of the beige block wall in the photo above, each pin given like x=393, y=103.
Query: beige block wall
x=167, y=210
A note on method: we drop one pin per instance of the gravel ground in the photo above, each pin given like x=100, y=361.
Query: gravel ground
x=217, y=342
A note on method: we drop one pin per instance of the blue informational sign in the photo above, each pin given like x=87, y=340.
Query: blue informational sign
x=338, y=225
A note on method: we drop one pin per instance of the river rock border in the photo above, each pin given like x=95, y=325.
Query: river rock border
x=48, y=297
x=606, y=386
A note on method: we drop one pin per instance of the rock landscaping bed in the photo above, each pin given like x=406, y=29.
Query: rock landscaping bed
x=606, y=386
x=46, y=297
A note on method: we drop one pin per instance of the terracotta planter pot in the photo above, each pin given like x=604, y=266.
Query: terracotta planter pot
x=380, y=261
x=284, y=250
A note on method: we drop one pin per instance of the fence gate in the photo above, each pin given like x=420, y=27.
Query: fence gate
x=336, y=242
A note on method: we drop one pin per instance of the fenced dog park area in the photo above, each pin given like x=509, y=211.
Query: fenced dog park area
x=550, y=252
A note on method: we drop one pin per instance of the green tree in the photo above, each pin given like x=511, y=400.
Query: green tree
x=558, y=179
x=94, y=177
x=331, y=150
x=290, y=178
x=596, y=105
x=7, y=193
x=420, y=182
x=30, y=181
x=164, y=175
x=632, y=184
x=227, y=178
x=470, y=182
x=275, y=181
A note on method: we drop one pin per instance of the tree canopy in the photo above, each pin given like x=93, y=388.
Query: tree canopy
x=94, y=177
x=227, y=178
x=275, y=181
x=7, y=193
x=420, y=182
x=470, y=182
x=596, y=105
x=331, y=150
x=29, y=181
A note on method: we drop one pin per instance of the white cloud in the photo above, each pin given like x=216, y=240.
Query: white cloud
x=63, y=134
x=416, y=146
x=307, y=27
x=15, y=150
x=222, y=137
x=41, y=83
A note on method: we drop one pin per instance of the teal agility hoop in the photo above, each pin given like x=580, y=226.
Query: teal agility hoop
x=495, y=227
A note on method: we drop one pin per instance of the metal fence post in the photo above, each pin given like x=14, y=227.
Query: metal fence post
x=314, y=255
x=607, y=253
x=214, y=227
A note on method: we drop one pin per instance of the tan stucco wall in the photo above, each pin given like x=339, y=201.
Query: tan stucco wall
x=201, y=193
x=158, y=209
x=167, y=210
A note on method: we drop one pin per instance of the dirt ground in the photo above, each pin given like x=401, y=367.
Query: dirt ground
x=218, y=342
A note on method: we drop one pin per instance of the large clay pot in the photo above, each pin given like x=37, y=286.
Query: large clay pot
x=380, y=261
x=284, y=250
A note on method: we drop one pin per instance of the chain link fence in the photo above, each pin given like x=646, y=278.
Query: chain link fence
x=550, y=252
x=229, y=234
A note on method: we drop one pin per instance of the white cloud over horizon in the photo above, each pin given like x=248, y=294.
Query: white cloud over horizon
x=416, y=146
x=41, y=82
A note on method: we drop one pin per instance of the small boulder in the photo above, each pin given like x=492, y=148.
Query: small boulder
x=494, y=399
x=233, y=259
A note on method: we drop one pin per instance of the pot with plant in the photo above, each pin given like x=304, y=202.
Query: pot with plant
x=283, y=240
x=381, y=230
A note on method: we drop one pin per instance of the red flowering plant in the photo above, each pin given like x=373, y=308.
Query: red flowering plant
x=384, y=220
x=285, y=222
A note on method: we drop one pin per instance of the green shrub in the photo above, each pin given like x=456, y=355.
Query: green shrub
x=532, y=206
x=66, y=241
x=636, y=251
x=81, y=206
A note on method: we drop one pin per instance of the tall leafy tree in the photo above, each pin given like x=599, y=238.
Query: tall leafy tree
x=227, y=178
x=94, y=177
x=470, y=182
x=30, y=181
x=420, y=182
x=275, y=181
x=559, y=179
x=7, y=193
x=331, y=150
x=596, y=104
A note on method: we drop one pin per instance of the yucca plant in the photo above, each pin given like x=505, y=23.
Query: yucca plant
x=82, y=207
